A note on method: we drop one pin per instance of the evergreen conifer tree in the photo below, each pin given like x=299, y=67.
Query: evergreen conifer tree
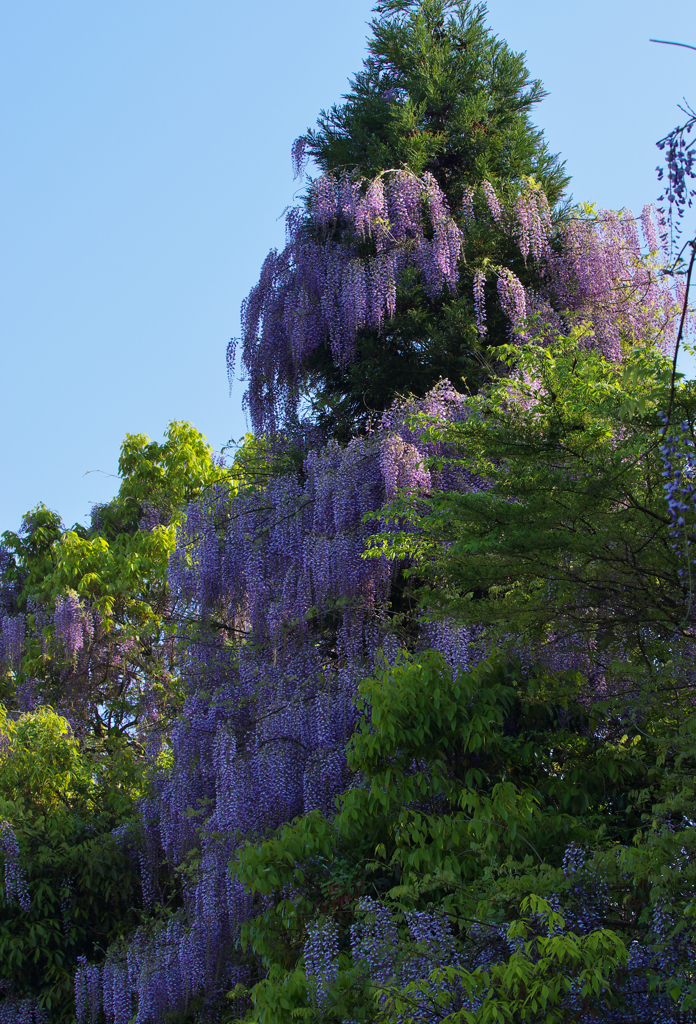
x=440, y=93
x=439, y=96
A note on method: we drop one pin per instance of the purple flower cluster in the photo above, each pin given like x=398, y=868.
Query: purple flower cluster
x=26, y=696
x=679, y=474
x=152, y=517
x=321, y=960
x=394, y=95
x=73, y=624
x=375, y=941
x=402, y=466
x=88, y=992
x=404, y=448
x=493, y=202
x=680, y=169
x=573, y=860
x=512, y=298
x=338, y=274
x=9, y=588
x=586, y=901
x=16, y=887
x=97, y=517
x=468, y=212
x=602, y=279
x=298, y=156
x=533, y=222
x=600, y=276
x=13, y=628
x=528, y=221
x=434, y=944
x=480, y=302
x=22, y=1011
x=156, y=976
x=395, y=961
x=93, y=664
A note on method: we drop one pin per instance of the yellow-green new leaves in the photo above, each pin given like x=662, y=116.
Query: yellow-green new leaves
x=105, y=572
x=45, y=770
x=113, y=580
x=167, y=475
x=41, y=765
x=62, y=800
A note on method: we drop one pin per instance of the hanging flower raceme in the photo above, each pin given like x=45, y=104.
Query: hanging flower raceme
x=532, y=222
x=512, y=298
x=345, y=256
x=391, y=963
x=22, y=1011
x=13, y=629
x=338, y=274
x=480, y=302
x=321, y=960
x=74, y=627
x=16, y=887
x=493, y=202
x=603, y=277
x=597, y=271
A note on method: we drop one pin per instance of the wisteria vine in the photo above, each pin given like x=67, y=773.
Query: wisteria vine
x=347, y=253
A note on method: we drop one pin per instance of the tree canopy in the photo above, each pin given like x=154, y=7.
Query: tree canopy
x=443, y=101
x=390, y=719
x=440, y=93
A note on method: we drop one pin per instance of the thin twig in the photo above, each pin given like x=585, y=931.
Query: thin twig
x=667, y=42
x=680, y=335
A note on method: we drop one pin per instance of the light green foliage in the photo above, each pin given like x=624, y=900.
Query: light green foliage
x=119, y=561
x=117, y=569
x=62, y=800
x=167, y=475
x=41, y=766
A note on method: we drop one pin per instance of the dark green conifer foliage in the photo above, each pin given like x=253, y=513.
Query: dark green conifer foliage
x=438, y=93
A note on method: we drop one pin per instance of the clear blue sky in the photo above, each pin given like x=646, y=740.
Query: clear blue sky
x=145, y=168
